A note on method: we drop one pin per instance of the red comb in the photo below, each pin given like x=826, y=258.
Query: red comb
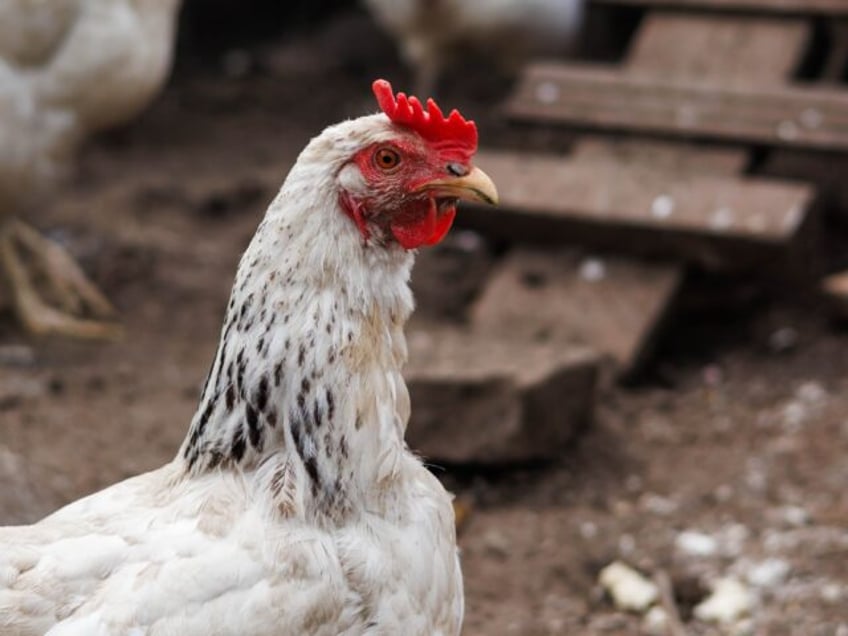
x=452, y=133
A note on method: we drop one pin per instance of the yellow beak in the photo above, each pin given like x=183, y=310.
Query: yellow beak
x=475, y=186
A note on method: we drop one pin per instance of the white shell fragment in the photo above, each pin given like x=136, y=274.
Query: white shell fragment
x=629, y=590
x=697, y=544
x=730, y=600
x=769, y=573
x=656, y=622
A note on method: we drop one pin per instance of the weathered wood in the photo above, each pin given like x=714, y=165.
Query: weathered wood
x=718, y=49
x=786, y=7
x=717, y=222
x=478, y=399
x=751, y=50
x=606, y=98
x=563, y=298
x=670, y=158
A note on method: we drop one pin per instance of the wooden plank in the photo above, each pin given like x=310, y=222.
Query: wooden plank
x=701, y=46
x=716, y=48
x=717, y=222
x=612, y=305
x=785, y=7
x=609, y=99
x=492, y=400
x=668, y=157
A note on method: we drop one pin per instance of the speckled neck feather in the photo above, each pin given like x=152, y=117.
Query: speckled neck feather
x=306, y=380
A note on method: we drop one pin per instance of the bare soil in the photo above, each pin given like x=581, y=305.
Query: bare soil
x=725, y=435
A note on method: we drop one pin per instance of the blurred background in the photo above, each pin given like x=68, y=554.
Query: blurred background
x=638, y=360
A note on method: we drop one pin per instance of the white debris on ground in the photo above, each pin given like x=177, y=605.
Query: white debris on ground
x=696, y=544
x=655, y=622
x=657, y=504
x=732, y=538
x=769, y=573
x=729, y=601
x=809, y=399
x=629, y=590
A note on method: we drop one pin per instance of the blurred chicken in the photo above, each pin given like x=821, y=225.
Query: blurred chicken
x=68, y=68
x=432, y=33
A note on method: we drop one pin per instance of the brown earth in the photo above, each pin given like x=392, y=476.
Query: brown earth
x=728, y=434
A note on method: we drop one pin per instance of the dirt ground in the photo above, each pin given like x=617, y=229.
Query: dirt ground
x=738, y=432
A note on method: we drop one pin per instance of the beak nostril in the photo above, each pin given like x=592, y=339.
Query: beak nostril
x=457, y=169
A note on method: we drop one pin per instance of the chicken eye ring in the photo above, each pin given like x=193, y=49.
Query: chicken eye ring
x=387, y=159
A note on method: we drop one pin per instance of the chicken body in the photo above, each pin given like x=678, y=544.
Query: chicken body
x=294, y=506
x=68, y=68
x=432, y=33
x=162, y=555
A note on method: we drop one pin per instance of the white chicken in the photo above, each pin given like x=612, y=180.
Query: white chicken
x=68, y=68
x=294, y=506
x=431, y=33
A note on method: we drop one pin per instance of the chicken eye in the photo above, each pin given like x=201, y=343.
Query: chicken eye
x=387, y=159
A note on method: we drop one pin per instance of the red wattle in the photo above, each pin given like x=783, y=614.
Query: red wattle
x=413, y=230
x=443, y=224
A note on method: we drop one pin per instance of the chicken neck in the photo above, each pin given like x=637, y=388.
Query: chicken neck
x=307, y=374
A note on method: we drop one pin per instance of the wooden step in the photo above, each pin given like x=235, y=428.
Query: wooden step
x=565, y=298
x=786, y=7
x=605, y=98
x=479, y=399
x=718, y=222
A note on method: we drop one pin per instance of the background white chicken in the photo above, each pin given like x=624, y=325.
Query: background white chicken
x=68, y=68
x=294, y=506
x=431, y=33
